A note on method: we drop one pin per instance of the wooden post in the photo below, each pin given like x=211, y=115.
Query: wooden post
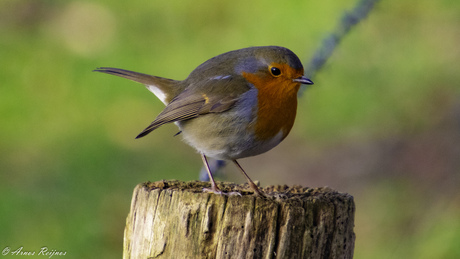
x=173, y=219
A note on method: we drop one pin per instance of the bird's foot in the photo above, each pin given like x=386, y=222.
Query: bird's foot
x=219, y=192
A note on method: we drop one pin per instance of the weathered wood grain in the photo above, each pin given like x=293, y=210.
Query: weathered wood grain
x=173, y=219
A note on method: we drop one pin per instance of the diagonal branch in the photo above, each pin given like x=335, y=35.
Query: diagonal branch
x=346, y=23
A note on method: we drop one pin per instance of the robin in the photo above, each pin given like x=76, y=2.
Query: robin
x=238, y=104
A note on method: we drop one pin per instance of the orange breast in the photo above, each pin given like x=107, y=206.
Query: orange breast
x=277, y=103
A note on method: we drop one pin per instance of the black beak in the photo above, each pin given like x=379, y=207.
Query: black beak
x=303, y=80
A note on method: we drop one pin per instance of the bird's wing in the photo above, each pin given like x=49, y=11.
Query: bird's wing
x=193, y=102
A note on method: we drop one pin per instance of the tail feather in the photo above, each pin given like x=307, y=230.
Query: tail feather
x=165, y=89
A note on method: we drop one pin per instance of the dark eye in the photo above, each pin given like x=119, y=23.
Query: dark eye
x=275, y=71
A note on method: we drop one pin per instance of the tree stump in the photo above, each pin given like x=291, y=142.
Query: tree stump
x=173, y=219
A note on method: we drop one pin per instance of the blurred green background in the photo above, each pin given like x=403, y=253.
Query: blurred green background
x=382, y=121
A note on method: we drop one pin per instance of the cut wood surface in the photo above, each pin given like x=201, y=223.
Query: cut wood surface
x=173, y=219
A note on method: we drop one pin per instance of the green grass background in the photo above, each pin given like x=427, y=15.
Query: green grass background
x=382, y=121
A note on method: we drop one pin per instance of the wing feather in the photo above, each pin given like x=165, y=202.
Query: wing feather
x=174, y=112
x=192, y=103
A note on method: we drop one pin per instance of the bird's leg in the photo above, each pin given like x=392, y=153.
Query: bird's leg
x=251, y=183
x=214, y=188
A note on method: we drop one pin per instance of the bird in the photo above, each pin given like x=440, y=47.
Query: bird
x=235, y=105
